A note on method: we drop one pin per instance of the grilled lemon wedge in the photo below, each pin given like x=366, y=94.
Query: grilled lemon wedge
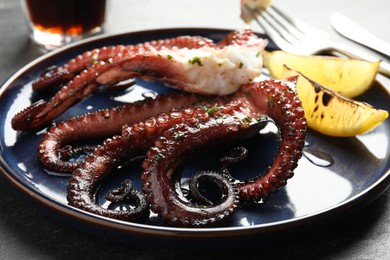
x=348, y=77
x=332, y=114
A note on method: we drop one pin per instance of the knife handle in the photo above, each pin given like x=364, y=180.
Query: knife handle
x=350, y=52
x=355, y=32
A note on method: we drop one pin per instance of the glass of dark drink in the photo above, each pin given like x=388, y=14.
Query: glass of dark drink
x=54, y=23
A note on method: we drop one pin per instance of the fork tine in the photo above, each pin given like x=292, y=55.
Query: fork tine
x=287, y=21
x=308, y=39
x=288, y=32
x=272, y=29
x=295, y=25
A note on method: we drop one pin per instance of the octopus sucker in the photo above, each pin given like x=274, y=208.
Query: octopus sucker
x=191, y=68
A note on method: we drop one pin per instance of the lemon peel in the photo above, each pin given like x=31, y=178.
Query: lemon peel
x=330, y=113
x=348, y=77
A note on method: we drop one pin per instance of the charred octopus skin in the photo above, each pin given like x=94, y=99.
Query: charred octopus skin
x=167, y=137
x=188, y=64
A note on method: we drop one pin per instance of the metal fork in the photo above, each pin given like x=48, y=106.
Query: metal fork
x=295, y=36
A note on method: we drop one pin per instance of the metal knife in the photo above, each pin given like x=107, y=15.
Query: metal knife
x=353, y=31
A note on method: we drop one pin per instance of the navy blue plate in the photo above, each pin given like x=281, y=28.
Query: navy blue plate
x=335, y=175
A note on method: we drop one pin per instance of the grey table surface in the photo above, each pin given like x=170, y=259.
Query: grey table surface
x=26, y=233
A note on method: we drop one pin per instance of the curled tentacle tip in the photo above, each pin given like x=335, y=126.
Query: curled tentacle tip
x=237, y=154
x=134, y=199
x=52, y=76
x=24, y=120
x=125, y=191
x=215, y=192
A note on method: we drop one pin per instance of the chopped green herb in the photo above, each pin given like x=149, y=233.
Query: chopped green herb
x=159, y=157
x=179, y=136
x=95, y=59
x=195, y=60
x=258, y=54
x=246, y=121
x=271, y=102
x=247, y=95
x=170, y=57
x=240, y=65
x=220, y=64
x=212, y=109
x=70, y=92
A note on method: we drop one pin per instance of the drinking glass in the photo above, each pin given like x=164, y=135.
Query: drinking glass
x=54, y=23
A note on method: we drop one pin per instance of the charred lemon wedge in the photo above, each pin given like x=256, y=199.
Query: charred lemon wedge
x=348, y=77
x=330, y=113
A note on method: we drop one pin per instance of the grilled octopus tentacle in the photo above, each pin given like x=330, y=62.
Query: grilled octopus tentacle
x=85, y=181
x=271, y=98
x=134, y=141
x=182, y=68
x=276, y=100
x=205, y=128
x=168, y=155
x=102, y=124
x=56, y=75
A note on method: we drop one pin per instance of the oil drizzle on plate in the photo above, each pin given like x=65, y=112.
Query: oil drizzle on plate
x=316, y=157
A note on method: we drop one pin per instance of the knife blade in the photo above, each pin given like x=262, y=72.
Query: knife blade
x=355, y=32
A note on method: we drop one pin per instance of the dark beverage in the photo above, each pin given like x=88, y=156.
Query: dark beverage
x=66, y=16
